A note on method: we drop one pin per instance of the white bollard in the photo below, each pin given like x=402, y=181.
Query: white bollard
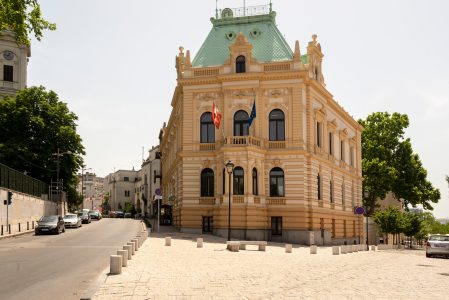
x=136, y=240
x=349, y=248
x=199, y=242
x=115, y=264
x=335, y=250
x=344, y=249
x=373, y=248
x=124, y=254
x=133, y=247
x=313, y=249
x=288, y=248
x=129, y=250
x=168, y=241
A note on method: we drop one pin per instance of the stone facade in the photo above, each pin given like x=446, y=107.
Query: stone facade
x=120, y=188
x=297, y=173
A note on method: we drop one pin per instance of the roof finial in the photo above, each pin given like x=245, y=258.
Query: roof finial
x=271, y=6
x=216, y=9
x=297, y=54
x=188, y=64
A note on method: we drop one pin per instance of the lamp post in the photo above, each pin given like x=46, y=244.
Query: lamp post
x=229, y=168
x=58, y=185
x=366, y=194
x=82, y=184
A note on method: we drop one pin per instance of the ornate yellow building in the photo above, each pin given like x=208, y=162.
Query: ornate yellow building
x=297, y=172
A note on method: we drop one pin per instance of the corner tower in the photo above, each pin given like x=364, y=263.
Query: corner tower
x=13, y=65
x=296, y=152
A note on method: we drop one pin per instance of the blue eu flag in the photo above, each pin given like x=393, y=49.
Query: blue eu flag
x=253, y=114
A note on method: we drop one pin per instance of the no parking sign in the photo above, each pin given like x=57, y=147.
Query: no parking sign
x=359, y=210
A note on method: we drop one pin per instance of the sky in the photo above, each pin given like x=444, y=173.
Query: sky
x=113, y=62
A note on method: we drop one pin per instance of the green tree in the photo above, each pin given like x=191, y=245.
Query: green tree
x=412, y=224
x=389, y=220
x=389, y=163
x=23, y=17
x=34, y=125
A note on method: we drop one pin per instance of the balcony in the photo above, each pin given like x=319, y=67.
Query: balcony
x=207, y=147
x=242, y=141
x=238, y=199
x=276, y=201
x=207, y=201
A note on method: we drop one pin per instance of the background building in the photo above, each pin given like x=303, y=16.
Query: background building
x=297, y=173
x=13, y=64
x=120, y=187
x=92, y=188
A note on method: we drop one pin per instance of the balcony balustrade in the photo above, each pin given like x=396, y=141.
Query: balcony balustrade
x=276, y=201
x=207, y=201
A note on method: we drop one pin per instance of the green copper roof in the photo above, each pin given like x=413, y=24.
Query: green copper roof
x=261, y=31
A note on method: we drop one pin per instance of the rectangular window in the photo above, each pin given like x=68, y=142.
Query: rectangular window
x=352, y=195
x=333, y=228
x=276, y=225
x=318, y=134
x=8, y=73
x=353, y=228
x=344, y=228
x=125, y=178
x=322, y=227
x=351, y=155
x=342, y=150
x=318, y=187
x=331, y=191
x=331, y=141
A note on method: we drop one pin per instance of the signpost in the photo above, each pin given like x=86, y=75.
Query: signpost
x=158, y=198
x=8, y=202
x=360, y=210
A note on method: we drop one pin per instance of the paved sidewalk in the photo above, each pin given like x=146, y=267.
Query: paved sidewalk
x=183, y=271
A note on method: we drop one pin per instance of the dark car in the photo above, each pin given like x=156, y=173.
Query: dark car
x=119, y=214
x=50, y=224
x=94, y=214
x=85, y=217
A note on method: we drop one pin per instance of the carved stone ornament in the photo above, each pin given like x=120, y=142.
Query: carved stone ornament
x=277, y=162
x=276, y=92
x=207, y=96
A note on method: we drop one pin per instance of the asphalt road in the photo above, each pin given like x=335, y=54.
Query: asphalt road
x=65, y=266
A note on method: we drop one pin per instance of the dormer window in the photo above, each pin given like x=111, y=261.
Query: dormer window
x=240, y=64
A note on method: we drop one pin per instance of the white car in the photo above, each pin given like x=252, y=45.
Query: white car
x=438, y=245
x=72, y=220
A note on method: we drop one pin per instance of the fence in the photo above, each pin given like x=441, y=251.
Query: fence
x=17, y=181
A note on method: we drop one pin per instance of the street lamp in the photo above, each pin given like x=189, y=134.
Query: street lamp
x=366, y=194
x=229, y=168
x=82, y=184
x=58, y=187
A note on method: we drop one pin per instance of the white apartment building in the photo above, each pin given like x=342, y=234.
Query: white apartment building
x=92, y=188
x=120, y=187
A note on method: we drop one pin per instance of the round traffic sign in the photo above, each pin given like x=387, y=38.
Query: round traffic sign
x=359, y=210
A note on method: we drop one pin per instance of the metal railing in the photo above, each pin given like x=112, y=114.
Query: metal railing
x=244, y=11
x=17, y=181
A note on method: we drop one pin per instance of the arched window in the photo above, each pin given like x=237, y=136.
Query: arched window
x=277, y=125
x=241, y=123
x=207, y=129
x=239, y=181
x=318, y=179
x=207, y=183
x=277, y=182
x=255, y=184
x=240, y=64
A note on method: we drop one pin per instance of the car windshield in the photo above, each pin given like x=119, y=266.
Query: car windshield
x=82, y=213
x=70, y=217
x=49, y=219
x=439, y=238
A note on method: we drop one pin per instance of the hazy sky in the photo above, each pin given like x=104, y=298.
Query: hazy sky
x=113, y=62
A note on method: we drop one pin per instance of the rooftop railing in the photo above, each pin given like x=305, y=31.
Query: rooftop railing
x=243, y=11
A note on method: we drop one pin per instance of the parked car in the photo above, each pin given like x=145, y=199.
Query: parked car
x=119, y=214
x=50, y=224
x=437, y=245
x=72, y=220
x=128, y=215
x=84, y=216
x=95, y=215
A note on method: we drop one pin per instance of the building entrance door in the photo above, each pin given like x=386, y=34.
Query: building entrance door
x=208, y=224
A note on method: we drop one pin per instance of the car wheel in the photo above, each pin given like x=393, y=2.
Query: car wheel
x=428, y=255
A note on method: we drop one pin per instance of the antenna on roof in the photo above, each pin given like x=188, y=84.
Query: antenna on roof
x=271, y=6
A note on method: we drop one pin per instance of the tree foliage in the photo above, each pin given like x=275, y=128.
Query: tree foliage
x=390, y=220
x=389, y=163
x=23, y=17
x=34, y=125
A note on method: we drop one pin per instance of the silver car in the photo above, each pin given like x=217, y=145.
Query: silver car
x=437, y=245
x=72, y=220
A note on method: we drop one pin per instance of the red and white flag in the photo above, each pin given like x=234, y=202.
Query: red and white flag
x=216, y=116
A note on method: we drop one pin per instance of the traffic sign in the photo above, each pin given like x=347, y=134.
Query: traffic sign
x=359, y=210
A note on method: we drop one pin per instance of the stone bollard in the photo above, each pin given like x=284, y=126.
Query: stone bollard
x=349, y=249
x=335, y=250
x=124, y=254
x=355, y=248
x=129, y=250
x=373, y=248
x=313, y=249
x=168, y=241
x=344, y=249
x=136, y=240
x=365, y=247
x=288, y=248
x=116, y=265
x=133, y=247
x=199, y=242
x=149, y=230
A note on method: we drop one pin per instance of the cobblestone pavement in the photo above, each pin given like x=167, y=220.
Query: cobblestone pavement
x=183, y=271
